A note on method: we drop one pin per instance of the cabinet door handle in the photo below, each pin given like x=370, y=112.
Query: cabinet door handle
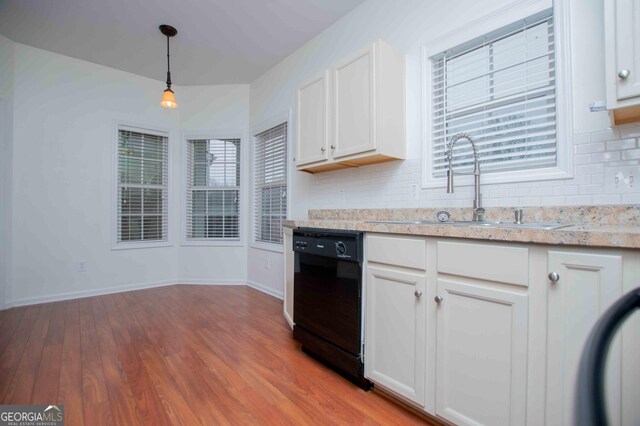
x=417, y=294
x=624, y=73
x=554, y=277
x=333, y=147
x=438, y=299
x=322, y=149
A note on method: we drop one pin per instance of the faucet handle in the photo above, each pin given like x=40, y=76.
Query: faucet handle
x=478, y=213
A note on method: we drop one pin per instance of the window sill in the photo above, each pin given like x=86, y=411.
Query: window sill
x=212, y=243
x=140, y=245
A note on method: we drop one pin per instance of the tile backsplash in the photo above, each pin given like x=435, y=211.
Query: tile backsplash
x=598, y=158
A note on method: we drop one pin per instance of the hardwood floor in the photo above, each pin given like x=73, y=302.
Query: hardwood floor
x=175, y=355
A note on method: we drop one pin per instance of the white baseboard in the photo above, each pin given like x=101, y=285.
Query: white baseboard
x=289, y=319
x=265, y=289
x=111, y=290
x=88, y=293
x=204, y=281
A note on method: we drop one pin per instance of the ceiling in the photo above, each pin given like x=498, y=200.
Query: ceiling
x=218, y=41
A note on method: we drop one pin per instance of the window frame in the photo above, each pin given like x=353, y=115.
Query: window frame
x=214, y=134
x=151, y=130
x=279, y=119
x=564, y=125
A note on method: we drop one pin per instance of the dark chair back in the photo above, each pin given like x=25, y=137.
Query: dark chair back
x=590, y=401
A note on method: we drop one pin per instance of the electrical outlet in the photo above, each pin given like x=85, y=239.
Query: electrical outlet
x=81, y=266
x=414, y=190
x=267, y=263
x=622, y=179
x=343, y=196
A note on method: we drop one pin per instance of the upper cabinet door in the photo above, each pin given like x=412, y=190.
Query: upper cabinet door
x=312, y=131
x=627, y=41
x=622, y=59
x=355, y=103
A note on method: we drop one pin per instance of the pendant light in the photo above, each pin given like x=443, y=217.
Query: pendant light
x=168, y=98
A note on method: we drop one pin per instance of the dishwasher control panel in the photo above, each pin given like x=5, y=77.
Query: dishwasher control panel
x=329, y=243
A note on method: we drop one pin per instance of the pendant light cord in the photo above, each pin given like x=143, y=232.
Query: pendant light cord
x=168, y=66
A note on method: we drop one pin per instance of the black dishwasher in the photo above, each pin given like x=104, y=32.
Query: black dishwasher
x=327, y=298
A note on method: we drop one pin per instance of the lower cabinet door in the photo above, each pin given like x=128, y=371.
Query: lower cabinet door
x=395, y=331
x=481, y=354
x=587, y=285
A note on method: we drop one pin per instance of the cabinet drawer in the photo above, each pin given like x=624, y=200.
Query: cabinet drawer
x=491, y=262
x=398, y=251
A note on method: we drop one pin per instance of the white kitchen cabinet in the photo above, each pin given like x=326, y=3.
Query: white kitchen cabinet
x=622, y=59
x=503, y=344
x=395, y=331
x=588, y=284
x=395, y=323
x=289, y=259
x=481, y=337
x=312, y=134
x=354, y=113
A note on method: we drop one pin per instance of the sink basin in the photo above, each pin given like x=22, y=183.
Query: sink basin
x=483, y=224
x=406, y=222
x=530, y=225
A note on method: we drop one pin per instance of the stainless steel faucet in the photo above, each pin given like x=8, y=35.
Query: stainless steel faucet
x=478, y=211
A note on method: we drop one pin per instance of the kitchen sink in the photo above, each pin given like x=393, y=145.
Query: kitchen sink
x=481, y=224
x=406, y=222
x=529, y=225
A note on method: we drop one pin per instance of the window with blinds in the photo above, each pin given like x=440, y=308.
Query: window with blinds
x=142, y=187
x=213, y=189
x=270, y=184
x=501, y=90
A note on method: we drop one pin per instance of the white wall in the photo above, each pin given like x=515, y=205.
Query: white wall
x=408, y=25
x=64, y=116
x=6, y=136
x=265, y=271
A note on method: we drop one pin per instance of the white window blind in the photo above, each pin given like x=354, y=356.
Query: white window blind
x=142, y=187
x=270, y=185
x=213, y=189
x=501, y=90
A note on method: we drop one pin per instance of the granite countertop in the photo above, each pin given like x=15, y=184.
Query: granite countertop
x=597, y=226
